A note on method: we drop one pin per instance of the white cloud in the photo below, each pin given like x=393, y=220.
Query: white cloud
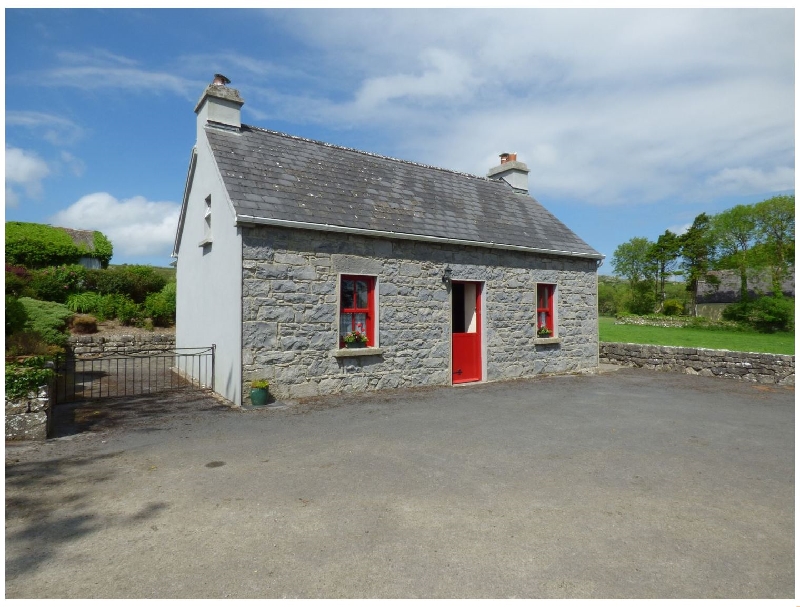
x=24, y=169
x=751, y=180
x=56, y=130
x=605, y=106
x=136, y=226
x=444, y=75
x=75, y=165
x=12, y=198
x=680, y=228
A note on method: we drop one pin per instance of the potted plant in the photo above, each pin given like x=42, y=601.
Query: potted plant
x=355, y=339
x=543, y=331
x=259, y=392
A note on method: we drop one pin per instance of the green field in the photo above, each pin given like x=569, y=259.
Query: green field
x=775, y=343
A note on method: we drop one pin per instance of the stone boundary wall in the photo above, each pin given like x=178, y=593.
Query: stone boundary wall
x=154, y=343
x=746, y=366
x=29, y=418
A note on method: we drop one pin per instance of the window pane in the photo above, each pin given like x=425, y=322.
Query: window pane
x=345, y=324
x=542, y=319
x=361, y=294
x=347, y=294
x=360, y=323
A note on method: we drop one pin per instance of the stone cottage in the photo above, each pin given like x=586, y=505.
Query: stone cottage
x=287, y=245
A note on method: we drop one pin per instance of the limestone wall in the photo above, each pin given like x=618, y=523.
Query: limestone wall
x=290, y=307
x=746, y=366
x=151, y=343
x=29, y=417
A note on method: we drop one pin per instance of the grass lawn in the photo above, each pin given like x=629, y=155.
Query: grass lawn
x=775, y=343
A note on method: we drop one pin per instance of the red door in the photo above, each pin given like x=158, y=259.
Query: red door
x=466, y=311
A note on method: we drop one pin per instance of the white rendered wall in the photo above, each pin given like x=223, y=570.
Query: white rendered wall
x=209, y=296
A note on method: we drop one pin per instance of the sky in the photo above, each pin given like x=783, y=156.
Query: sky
x=631, y=121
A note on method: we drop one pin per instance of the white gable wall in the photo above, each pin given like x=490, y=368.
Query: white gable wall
x=209, y=296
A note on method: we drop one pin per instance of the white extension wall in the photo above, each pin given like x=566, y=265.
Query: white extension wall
x=209, y=307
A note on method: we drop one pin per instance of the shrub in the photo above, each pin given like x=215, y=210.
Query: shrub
x=36, y=245
x=129, y=313
x=134, y=281
x=27, y=376
x=161, y=306
x=56, y=284
x=85, y=303
x=46, y=318
x=17, y=279
x=84, y=324
x=765, y=314
x=15, y=315
x=769, y=314
x=30, y=342
x=673, y=307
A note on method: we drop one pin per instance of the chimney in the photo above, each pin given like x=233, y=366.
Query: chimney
x=513, y=172
x=219, y=106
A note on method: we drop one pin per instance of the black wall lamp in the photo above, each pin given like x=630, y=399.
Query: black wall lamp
x=447, y=277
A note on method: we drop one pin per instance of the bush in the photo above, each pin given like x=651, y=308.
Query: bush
x=769, y=314
x=30, y=342
x=673, y=307
x=129, y=313
x=56, y=284
x=85, y=303
x=17, y=279
x=161, y=306
x=766, y=314
x=36, y=245
x=16, y=317
x=46, y=318
x=137, y=282
x=27, y=376
x=84, y=324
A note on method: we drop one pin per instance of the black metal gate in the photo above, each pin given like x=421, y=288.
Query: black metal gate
x=100, y=376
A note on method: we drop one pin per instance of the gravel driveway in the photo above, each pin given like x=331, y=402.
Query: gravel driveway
x=631, y=484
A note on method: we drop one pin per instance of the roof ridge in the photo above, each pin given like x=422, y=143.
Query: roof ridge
x=372, y=154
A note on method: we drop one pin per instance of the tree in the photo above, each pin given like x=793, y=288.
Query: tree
x=664, y=255
x=697, y=250
x=775, y=233
x=632, y=260
x=735, y=233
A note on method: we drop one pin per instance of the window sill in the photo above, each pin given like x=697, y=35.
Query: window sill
x=544, y=341
x=353, y=352
x=205, y=242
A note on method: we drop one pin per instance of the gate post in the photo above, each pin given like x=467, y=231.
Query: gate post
x=213, y=359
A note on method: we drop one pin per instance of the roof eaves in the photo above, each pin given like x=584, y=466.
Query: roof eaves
x=302, y=225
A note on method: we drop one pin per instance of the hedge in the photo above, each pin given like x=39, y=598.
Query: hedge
x=35, y=245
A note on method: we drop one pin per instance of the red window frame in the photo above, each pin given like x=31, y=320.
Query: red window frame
x=355, y=308
x=545, y=296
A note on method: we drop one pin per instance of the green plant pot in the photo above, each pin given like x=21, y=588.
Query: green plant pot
x=355, y=344
x=259, y=396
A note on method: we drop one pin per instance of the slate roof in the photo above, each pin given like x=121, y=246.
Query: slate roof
x=274, y=176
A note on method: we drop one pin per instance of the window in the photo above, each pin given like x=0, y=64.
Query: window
x=357, y=307
x=207, y=231
x=545, y=310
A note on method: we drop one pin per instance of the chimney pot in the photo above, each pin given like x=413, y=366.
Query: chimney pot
x=508, y=157
x=220, y=80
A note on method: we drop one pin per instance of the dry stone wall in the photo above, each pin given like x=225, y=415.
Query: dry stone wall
x=151, y=343
x=290, y=307
x=29, y=418
x=745, y=366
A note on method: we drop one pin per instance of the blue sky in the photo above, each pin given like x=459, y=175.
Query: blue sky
x=631, y=121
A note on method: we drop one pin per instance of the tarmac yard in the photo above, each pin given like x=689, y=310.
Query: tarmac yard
x=629, y=484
